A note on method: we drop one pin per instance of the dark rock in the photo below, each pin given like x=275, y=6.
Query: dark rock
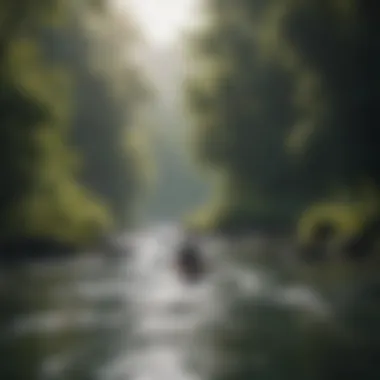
x=362, y=244
x=316, y=249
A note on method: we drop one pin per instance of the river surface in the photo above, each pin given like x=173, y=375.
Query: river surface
x=135, y=318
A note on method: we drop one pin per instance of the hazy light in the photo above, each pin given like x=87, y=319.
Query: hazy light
x=162, y=21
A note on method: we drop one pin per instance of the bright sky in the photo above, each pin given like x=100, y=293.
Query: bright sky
x=162, y=20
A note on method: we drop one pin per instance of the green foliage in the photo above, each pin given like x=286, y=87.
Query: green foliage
x=107, y=98
x=284, y=103
x=338, y=46
x=348, y=215
x=243, y=108
x=22, y=112
x=52, y=92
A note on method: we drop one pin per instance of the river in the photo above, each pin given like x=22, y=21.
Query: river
x=135, y=318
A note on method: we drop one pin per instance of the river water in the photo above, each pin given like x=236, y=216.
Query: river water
x=135, y=318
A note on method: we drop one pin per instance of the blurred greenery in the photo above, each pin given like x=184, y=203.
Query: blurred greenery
x=70, y=167
x=283, y=105
x=282, y=98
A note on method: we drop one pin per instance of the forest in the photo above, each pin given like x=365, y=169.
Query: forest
x=283, y=105
x=255, y=134
x=279, y=108
x=72, y=164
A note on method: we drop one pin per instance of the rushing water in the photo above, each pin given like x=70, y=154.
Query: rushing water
x=135, y=318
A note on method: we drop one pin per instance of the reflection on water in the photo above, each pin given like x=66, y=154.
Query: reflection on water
x=133, y=318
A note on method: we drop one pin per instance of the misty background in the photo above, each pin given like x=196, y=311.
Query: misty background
x=189, y=189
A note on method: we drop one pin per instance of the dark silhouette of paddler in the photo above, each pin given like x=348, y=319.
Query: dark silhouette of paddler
x=190, y=261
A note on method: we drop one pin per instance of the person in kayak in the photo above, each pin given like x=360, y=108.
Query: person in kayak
x=190, y=262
